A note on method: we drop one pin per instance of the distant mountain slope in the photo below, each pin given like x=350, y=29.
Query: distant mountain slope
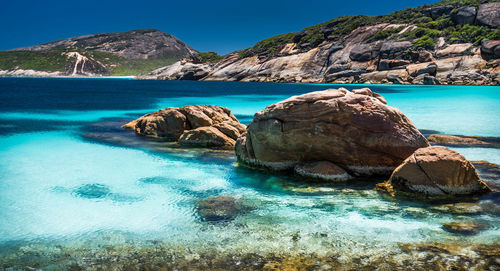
x=135, y=44
x=451, y=42
x=127, y=53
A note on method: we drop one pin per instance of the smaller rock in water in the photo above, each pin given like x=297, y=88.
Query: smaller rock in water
x=465, y=228
x=323, y=170
x=206, y=137
x=219, y=208
x=461, y=208
x=437, y=170
x=92, y=191
x=431, y=80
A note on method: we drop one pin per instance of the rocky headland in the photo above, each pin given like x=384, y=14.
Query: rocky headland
x=444, y=43
x=126, y=53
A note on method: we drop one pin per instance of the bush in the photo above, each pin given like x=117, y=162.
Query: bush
x=211, y=57
x=384, y=34
x=425, y=42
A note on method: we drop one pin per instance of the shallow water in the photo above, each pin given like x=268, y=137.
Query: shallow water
x=69, y=176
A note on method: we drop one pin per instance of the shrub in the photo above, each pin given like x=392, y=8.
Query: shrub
x=424, y=42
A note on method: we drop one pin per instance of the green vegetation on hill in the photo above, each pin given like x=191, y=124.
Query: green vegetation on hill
x=210, y=57
x=425, y=35
x=33, y=60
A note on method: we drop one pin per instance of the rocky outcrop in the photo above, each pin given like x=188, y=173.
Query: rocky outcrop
x=465, y=227
x=192, y=125
x=181, y=70
x=356, y=132
x=490, y=47
x=85, y=66
x=219, y=208
x=464, y=15
x=465, y=140
x=382, y=49
x=488, y=14
x=437, y=170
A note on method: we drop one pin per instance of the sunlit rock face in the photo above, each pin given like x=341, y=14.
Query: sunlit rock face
x=357, y=132
x=192, y=125
x=437, y=170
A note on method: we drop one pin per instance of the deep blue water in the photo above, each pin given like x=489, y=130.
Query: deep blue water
x=68, y=172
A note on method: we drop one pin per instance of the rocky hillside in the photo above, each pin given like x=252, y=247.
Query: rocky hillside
x=126, y=53
x=451, y=42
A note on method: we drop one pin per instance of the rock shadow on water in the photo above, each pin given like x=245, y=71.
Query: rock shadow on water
x=18, y=126
x=109, y=131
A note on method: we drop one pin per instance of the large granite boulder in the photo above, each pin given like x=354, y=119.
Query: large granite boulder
x=437, y=170
x=356, y=132
x=439, y=11
x=365, y=52
x=489, y=14
x=192, y=125
x=490, y=47
x=464, y=15
x=395, y=49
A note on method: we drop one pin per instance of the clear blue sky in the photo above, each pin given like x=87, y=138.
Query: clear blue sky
x=221, y=26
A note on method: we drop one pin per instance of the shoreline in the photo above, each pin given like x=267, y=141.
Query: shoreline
x=136, y=77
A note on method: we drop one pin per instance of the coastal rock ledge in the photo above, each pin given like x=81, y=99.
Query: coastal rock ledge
x=191, y=125
x=356, y=131
x=438, y=171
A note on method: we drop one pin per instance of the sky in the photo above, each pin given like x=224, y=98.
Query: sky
x=221, y=26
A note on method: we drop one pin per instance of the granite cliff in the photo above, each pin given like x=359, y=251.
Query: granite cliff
x=451, y=42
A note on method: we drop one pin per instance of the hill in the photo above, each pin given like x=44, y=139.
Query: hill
x=451, y=42
x=126, y=53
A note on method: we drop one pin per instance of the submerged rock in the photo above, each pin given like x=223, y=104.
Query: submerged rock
x=92, y=191
x=437, y=170
x=192, y=125
x=461, y=208
x=322, y=170
x=465, y=140
x=465, y=228
x=487, y=170
x=356, y=132
x=219, y=208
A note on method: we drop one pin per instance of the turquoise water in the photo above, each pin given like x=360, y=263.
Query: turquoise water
x=69, y=175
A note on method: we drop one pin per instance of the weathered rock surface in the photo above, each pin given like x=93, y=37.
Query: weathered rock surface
x=192, y=125
x=354, y=131
x=219, y=208
x=489, y=14
x=83, y=65
x=207, y=136
x=181, y=70
x=322, y=170
x=465, y=228
x=464, y=15
x=437, y=170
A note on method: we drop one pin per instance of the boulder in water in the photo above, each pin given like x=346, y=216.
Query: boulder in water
x=437, y=170
x=192, y=125
x=353, y=131
x=219, y=208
